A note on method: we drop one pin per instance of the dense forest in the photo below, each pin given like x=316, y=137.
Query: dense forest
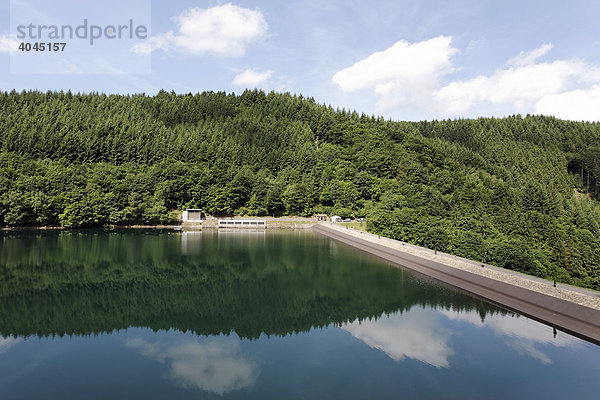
x=518, y=192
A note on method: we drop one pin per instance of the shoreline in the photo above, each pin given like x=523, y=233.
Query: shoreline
x=62, y=228
x=572, y=310
x=285, y=223
x=272, y=223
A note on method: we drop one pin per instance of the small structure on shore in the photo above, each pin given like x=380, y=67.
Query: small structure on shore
x=193, y=215
x=322, y=217
x=242, y=223
x=336, y=218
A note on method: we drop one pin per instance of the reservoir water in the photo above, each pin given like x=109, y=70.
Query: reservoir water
x=150, y=314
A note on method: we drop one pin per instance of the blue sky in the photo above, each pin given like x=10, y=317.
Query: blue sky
x=406, y=60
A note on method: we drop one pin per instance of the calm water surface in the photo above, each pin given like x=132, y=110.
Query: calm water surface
x=293, y=315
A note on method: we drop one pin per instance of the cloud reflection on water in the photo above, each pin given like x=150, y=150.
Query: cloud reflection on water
x=420, y=334
x=215, y=365
x=518, y=332
x=7, y=342
x=416, y=334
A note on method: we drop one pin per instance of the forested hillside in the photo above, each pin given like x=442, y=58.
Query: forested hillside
x=519, y=192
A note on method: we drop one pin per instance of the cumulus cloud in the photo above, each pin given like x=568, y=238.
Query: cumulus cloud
x=579, y=105
x=224, y=30
x=215, y=365
x=415, y=334
x=522, y=82
x=418, y=74
x=403, y=72
x=252, y=78
x=8, y=44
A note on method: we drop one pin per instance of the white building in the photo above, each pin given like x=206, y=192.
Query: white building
x=242, y=223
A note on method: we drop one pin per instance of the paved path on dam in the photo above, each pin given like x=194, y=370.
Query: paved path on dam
x=572, y=310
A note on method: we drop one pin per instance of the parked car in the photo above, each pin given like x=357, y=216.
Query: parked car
x=360, y=220
x=347, y=220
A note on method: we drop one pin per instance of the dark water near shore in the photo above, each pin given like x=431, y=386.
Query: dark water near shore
x=292, y=315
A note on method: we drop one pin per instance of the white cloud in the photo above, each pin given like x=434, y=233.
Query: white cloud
x=160, y=42
x=216, y=365
x=224, y=30
x=528, y=58
x=8, y=44
x=413, y=74
x=521, y=83
x=252, y=78
x=579, y=105
x=404, y=72
x=415, y=334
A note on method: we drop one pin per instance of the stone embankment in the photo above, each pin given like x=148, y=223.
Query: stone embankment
x=572, y=309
